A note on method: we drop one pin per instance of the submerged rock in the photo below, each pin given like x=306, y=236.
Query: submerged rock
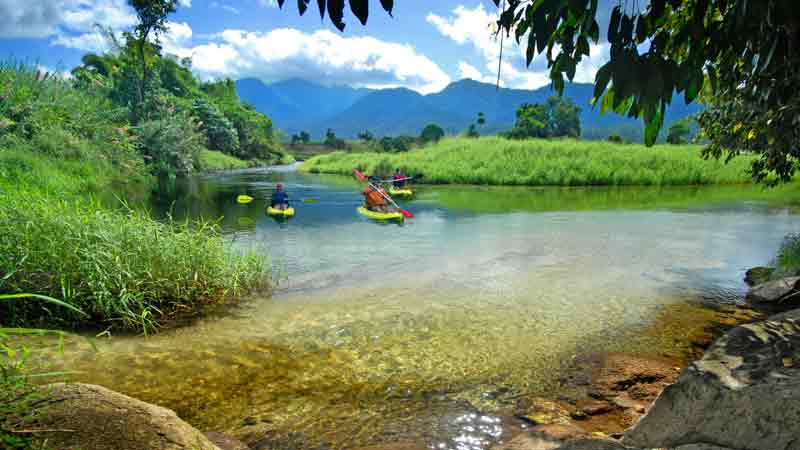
x=743, y=394
x=90, y=417
x=758, y=275
x=774, y=291
x=225, y=442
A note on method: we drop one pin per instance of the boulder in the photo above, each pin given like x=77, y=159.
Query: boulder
x=743, y=394
x=773, y=291
x=758, y=275
x=89, y=417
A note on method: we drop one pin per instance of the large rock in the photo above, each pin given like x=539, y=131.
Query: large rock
x=758, y=275
x=743, y=394
x=90, y=417
x=773, y=291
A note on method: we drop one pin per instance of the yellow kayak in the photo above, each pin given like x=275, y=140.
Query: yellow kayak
x=380, y=215
x=288, y=212
x=244, y=199
x=402, y=192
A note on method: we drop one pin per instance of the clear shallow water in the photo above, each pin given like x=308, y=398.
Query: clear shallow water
x=381, y=332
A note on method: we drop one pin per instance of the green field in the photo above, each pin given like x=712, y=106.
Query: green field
x=539, y=162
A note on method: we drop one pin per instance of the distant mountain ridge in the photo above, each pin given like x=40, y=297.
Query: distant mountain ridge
x=297, y=105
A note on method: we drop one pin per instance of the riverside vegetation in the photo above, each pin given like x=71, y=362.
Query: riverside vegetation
x=63, y=142
x=558, y=162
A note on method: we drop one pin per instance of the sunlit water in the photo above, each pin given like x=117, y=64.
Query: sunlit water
x=429, y=330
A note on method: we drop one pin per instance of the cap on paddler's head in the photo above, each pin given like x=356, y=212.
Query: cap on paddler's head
x=279, y=186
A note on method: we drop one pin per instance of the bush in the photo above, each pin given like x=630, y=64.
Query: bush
x=615, y=138
x=218, y=130
x=431, y=133
x=125, y=270
x=170, y=145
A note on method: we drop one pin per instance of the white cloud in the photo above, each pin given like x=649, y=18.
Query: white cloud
x=268, y=3
x=230, y=9
x=82, y=15
x=466, y=70
x=185, y=3
x=475, y=27
x=323, y=56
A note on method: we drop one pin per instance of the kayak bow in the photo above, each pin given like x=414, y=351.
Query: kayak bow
x=288, y=212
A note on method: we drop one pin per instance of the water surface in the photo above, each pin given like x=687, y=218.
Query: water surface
x=431, y=328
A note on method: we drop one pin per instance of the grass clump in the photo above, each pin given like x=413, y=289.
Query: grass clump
x=122, y=269
x=787, y=262
x=540, y=162
x=213, y=160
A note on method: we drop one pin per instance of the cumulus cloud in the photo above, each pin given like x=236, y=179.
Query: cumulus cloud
x=323, y=56
x=475, y=27
x=268, y=3
x=185, y=3
x=44, y=18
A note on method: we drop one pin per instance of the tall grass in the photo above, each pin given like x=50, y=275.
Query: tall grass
x=125, y=270
x=213, y=160
x=539, y=162
x=787, y=262
x=60, y=147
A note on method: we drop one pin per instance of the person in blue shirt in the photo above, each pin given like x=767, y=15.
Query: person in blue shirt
x=280, y=200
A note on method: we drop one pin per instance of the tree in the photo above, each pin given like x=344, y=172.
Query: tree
x=557, y=117
x=305, y=138
x=219, y=130
x=332, y=141
x=481, y=119
x=678, y=132
x=431, y=133
x=742, y=54
x=366, y=136
x=152, y=16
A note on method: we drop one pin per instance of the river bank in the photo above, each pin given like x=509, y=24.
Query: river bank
x=541, y=162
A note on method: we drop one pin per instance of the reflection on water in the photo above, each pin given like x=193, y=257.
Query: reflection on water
x=428, y=331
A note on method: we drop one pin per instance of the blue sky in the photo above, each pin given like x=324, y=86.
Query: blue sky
x=425, y=46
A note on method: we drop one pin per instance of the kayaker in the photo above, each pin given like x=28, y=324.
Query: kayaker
x=280, y=200
x=373, y=200
x=399, y=179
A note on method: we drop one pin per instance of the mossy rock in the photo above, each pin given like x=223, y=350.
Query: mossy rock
x=758, y=275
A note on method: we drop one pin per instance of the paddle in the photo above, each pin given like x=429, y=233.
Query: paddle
x=401, y=179
x=360, y=176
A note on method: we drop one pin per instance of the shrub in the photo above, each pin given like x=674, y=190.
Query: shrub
x=431, y=133
x=170, y=145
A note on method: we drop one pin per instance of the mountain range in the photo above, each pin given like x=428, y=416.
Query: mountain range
x=298, y=105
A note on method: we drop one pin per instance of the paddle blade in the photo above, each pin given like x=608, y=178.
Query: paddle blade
x=406, y=214
x=359, y=175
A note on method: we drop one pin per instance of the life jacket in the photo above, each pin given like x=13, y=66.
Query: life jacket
x=373, y=197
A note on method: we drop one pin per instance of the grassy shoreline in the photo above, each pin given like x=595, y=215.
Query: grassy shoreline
x=62, y=148
x=539, y=162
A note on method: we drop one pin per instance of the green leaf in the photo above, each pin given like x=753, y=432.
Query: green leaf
x=601, y=81
x=654, y=119
x=302, y=5
x=360, y=9
x=613, y=25
x=44, y=298
x=321, y=7
x=388, y=5
x=336, y=13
